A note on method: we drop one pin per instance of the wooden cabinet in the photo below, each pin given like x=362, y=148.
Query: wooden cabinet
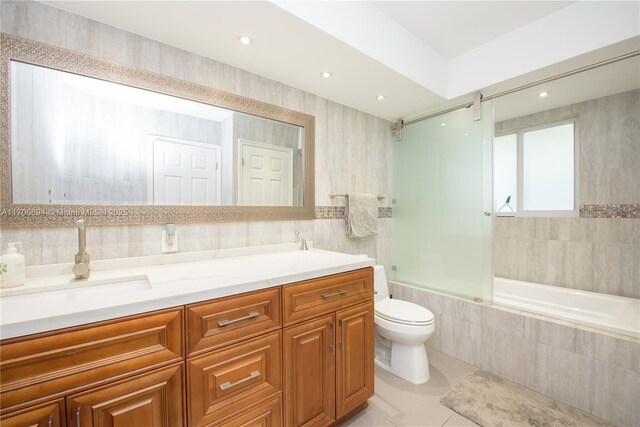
x=267, y=414
x=230, y=380
x=225, y=321
x=50, y=414
x=224, y=362
x=354, y=357
x=151, y=400
x=309, y=365
x=311, y=298
x=45, y=366
x=328, y=361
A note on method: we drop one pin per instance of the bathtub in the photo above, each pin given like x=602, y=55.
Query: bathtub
x=616, y=314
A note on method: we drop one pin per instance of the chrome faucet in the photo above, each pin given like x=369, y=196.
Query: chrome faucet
x=303, y=242
x=81, y=266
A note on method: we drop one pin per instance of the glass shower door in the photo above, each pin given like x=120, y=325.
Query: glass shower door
x=442, y=204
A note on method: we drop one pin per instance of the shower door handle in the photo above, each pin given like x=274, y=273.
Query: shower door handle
x=487, y=213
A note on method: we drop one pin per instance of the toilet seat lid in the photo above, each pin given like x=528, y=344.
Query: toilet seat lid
x=404, y=312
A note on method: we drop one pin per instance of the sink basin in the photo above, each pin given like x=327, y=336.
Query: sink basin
x=80, y=291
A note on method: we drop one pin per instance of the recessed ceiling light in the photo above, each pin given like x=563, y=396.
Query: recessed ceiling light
x=380, y=97
x=326, y=74
x=245, y=40
x=543, y=94
x=443, y=124
x=466, y=134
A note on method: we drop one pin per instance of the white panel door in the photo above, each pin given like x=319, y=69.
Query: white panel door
x=265, y=174
x=185, y=172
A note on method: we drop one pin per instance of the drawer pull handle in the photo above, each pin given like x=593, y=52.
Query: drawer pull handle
x=239, y=319
x=78, y=417
x=50, y=424
x=252, y=375
x=335, y=294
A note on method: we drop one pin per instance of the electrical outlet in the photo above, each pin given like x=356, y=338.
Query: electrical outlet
x=169, y=247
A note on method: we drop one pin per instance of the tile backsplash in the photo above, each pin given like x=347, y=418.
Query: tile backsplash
x=353, y=151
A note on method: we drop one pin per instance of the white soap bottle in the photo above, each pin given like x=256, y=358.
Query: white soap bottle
x=12, y=267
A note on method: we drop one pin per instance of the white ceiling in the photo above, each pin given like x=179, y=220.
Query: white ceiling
x=420, y=55
x=285, y=48
x=455, y=27
x=608, y=80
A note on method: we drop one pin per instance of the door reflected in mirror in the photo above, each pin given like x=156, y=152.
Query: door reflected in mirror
x=81, y=140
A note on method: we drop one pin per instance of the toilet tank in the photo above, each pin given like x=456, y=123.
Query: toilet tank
x=380, y=283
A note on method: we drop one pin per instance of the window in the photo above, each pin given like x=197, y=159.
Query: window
x=535, y=170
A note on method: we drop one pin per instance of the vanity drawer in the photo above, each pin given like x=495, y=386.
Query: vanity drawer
x=315, y=297
x=50, y=414
x=266, y=414
x=229, y=380
x=228, y=320
x=43, y=366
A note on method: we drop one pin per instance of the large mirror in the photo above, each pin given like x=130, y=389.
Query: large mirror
x=78, y=139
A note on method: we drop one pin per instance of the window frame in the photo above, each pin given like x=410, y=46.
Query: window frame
x=520, y=212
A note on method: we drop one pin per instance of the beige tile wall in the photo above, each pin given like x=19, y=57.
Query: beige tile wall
x=593, y=254
x=352, y=148
x=592, y=370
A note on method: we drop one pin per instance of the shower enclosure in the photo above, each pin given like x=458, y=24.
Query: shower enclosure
x=442, y=204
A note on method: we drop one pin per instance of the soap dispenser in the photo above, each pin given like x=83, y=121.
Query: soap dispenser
x=12, y=268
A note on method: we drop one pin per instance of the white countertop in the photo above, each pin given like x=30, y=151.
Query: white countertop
x=154, y=287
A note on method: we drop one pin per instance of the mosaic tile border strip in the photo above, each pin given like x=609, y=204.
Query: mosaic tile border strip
x=337, y=212
x=610, y=211
x=385, y=212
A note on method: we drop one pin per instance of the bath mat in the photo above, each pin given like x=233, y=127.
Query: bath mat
x=491, y=401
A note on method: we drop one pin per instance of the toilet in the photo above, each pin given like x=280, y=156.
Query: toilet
x=402, y=328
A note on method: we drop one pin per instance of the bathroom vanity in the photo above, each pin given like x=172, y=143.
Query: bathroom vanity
x=286, y=341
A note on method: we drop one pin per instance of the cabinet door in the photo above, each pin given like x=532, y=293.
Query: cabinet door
x=354, y=357
x=151, y=400
x=47, y=415
x=309, y=368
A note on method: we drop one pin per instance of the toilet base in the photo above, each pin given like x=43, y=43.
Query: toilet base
x=407, y=361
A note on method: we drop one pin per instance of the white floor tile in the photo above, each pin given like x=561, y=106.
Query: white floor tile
x=369, y=418
x=404, y=404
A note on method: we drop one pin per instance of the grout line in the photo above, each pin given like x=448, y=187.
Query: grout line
x=381, y=415
x=450, y=416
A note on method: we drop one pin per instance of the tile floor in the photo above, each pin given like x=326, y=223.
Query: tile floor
x=400, y=403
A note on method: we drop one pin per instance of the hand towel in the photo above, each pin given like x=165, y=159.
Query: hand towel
x=362, y=215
